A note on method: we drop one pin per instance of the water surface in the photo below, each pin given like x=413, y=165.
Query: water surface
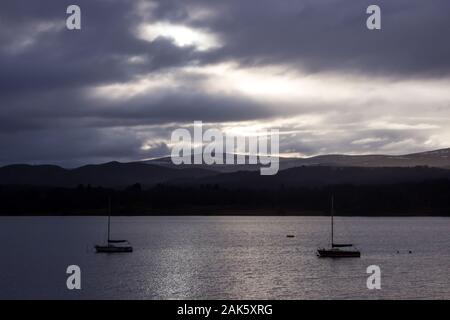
x=224, y=258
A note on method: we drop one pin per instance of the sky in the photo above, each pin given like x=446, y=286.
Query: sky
x=137, y=70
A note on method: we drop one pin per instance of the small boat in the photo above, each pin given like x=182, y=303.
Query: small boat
x=335, y=251
x=338, y=253
x=113, y=246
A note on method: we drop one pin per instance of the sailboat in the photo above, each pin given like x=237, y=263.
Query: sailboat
x=335, y=251
x=113, y=246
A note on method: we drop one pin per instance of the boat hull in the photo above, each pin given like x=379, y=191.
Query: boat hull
x=113, y=249
x=326, y=253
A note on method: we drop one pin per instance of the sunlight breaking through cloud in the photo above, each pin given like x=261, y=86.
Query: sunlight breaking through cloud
x=181, y=35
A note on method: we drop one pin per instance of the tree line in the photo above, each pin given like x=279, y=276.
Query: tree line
x=419, y=198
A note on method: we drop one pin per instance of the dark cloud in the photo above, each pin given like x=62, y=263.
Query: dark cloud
x=328, y=35
x=69, y=147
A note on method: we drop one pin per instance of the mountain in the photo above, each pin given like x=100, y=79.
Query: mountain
x=167, y=162
x=437, y=158
x=112, y=174
x=314, y=171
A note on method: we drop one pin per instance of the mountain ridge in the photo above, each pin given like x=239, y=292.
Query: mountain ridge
x=436, y=158
x=355, y=169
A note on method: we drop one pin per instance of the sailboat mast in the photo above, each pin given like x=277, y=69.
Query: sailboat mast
x=332, y=220
x=109, y=216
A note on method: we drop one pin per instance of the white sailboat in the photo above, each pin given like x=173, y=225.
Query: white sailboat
x=335, y=250
x=113, y=246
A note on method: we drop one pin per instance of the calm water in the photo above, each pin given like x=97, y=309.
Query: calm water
x=224, y=258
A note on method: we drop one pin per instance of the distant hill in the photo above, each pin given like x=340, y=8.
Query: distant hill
x=314, y=171
x=416, y=184
x=437, y=158
x=112, y=174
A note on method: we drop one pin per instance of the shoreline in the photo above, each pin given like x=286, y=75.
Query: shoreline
x=231, y=214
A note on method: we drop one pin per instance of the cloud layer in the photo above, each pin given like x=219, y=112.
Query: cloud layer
x=115, y=89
